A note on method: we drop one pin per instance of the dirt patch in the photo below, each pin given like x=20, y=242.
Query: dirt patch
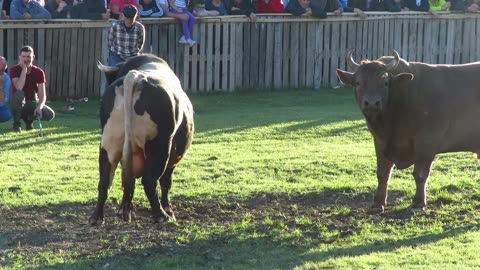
x=64, y=228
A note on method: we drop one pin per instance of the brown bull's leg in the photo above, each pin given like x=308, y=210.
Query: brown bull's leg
x=384, y=171
x=165, y=185
x=421, y=172
x=106, y=174
x=155, y=164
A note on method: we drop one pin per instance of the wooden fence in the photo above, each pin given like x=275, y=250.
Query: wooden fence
x=279, y=51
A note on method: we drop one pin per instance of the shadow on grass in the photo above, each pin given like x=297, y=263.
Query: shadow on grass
x=264, y=231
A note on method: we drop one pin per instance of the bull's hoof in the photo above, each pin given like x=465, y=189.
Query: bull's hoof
x=376, y=209
x=126, y=212
x=95, y=220
x=413, y=209
x=161, y=216
x=169, y=212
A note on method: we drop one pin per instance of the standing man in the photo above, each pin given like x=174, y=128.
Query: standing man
x=126, y=37
x=5, y=86
x=29, y=93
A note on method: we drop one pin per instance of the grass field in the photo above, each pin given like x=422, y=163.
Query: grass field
x=274, y=180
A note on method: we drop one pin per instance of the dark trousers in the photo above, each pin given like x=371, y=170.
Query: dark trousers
x=26, y=110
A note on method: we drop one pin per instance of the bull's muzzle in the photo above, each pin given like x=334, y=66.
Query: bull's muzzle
x=371, y=103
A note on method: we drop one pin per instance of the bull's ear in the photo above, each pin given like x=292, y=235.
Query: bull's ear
x=403, y=77
x=345, y=76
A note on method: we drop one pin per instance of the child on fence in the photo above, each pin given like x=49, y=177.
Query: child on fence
x=180, y=7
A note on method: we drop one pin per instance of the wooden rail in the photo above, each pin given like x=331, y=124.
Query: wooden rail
x=278, y=51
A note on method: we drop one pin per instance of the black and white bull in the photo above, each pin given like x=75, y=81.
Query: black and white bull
x=415, y=111
x=147, y=125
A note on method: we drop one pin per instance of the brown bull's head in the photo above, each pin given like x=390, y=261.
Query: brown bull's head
x=372, y=82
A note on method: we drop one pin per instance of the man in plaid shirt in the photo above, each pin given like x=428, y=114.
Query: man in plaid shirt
x=126, y=37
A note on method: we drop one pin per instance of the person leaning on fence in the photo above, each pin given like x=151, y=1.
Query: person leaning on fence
x=180, y=7
x=461, y=5
x=369, y=5
x=5, y=9
x=242, y=7
x=117, y=6
x=218, y=5
x=126, y=37
x=417, y=5
x=198, y=9
x=316, y=8
x=270, y=6
x=90, y=10
x=29, y=94
x=60, y=9
x=151, y=8
x=5, y=88
x=349, y=9
x=28, y=9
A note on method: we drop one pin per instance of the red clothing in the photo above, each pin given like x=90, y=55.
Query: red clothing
x=32, y=80
x=273, y=6
x=121, y=4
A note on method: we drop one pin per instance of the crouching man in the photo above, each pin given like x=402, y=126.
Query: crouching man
x=29, y=93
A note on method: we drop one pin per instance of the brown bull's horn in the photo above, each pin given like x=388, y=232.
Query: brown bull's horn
x=351, y=63
x=105, y=69
x=394, y=63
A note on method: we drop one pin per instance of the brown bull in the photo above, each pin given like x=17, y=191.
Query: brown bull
x=415, y=111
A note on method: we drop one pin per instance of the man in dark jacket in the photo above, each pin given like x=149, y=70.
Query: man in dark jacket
x=91, y=10
x=317, y=8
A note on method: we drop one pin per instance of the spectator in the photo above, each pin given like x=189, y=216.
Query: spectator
x=197, y=8
x=5, y=86
x=6, y=9
x=117, y=6
x=321, y=7
x=393, y=5
x=368, y=5
x=151, y=8
x=242, y=7
x=298, y=7
x=270, y=6
x=60, y=9
x=91, y=10
x=347, y=8
x=29, y=94
x=28, y=9
x=417, y=5
x=461, y=5
x=126, y=37
x=218, y=5
x=180, y=7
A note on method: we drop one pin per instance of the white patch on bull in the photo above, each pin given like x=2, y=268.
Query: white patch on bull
x=142, y=128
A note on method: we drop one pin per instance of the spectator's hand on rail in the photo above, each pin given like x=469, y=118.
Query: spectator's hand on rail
x=338, y=12
x=308, y=11
x=27, y=16
x=446, y=6
x=360, y=13
x=253, y=17
x=61, y=5
x=105, y=16
x=433, y=13
x=473, y=8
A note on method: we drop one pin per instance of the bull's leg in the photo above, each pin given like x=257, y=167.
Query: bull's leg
x=155, y=164
x=165, y=185
x=107, y=171
x=384, y=171
x=421, y=173
x=126, y=209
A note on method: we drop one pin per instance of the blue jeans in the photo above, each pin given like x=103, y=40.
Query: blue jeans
x=114, y=59
x=5, y=114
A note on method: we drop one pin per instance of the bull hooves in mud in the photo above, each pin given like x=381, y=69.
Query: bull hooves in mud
x=126, y=212
x=163, y=217
x=416, y=209
x=94, y=220
x=375, y=210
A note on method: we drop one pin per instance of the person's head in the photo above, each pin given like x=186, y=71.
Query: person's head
x=130, y=13
x=27, y=55
x=3, y=64
x=27, y=1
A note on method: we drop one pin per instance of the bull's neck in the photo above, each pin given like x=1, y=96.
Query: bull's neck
x=376, y=124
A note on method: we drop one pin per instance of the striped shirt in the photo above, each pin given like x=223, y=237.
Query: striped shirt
x=180, y=3
x=126, y=43
x=154, y=9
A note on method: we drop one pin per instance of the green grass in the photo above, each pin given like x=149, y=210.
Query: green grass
x=274, y=180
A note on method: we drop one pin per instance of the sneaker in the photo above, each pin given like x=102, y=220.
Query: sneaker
x=182, y=40
x=29, y=126
x=191, y=42
x=17, y=129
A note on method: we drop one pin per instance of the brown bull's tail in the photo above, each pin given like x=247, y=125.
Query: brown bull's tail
x=129, y=84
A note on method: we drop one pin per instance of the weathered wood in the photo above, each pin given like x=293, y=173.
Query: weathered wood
x=277, y=56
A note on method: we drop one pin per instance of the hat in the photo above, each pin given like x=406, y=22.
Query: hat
x=130, y=11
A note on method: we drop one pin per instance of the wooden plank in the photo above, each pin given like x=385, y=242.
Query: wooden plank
x=60, y=33
x=449, y=50
x=30, y=38
x=76, y=92
x=49, y=67
x=262, y=47
x=309, y=53
x=374, y=32
x=329, y=47
x=41, y=48
x=215, y=75
x=318, y=55
x=83, y=59
x=285, y=57
x=398, y=44
x=155, y=38
x=269, y=55
x=294, y=55
x=334, y=61
x=237, y=39
x=467, y=31
x=302, y=53
x=277, y=56
x=212, y=46
x=3, y=52
x=226, y=49
x=382, y=37
x=246, y=60
x=442, y=52
x=420, y=40
x=253, y=76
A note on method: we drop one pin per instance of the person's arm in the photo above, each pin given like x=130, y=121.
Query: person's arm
x=40, y=12
x=41, y=99
x=19, y=82
x=15, y=10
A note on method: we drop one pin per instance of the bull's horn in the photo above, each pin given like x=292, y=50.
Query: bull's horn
x=105, y=69
x=351, y=63
x=394, y=63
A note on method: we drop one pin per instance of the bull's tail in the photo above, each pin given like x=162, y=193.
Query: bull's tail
x=129, y=83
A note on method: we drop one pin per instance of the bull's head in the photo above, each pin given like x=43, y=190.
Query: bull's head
x=372, y=82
